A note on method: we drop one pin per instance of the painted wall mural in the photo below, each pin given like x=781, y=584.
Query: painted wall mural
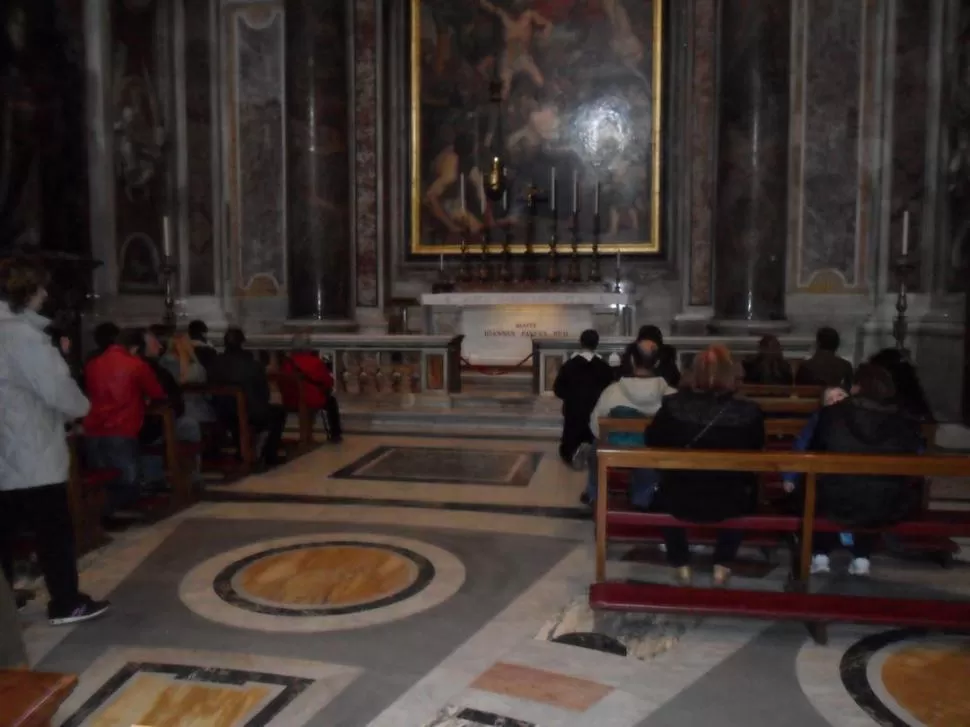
x=581, y=93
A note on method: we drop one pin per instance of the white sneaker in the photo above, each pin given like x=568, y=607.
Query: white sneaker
x=820, y=564
x=580, y=459
x=859, y=567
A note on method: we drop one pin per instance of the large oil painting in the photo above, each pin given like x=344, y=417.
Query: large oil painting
x=567, y=93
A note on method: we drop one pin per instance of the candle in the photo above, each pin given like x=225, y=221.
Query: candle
x=575, y=191
x=596, y=199
x=461, y=191
x=166, y=236
x=906, y=232
x=553, y=193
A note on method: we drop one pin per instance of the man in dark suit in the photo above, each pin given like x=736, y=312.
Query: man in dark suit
x=825, y=367
x=579, y=384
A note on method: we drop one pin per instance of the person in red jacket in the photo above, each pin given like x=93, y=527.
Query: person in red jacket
x=317, y=383
x=119, y=384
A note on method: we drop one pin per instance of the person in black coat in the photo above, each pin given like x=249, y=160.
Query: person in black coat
x=769, y=366
x=707, y=416
x=870, y=421
x=666, y=355
x=825, y=367
x=579, y=384
x=236, y=366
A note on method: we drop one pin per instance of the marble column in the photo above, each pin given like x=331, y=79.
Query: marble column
x=751, y=224
x=318, y=166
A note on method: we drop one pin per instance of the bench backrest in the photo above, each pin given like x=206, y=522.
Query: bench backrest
x=775, y=390
x=626, y=425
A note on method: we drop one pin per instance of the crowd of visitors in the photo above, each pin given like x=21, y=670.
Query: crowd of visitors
x=877, y=408
x=112, y=396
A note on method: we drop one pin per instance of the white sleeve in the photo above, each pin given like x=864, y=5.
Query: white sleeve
x=43, y=371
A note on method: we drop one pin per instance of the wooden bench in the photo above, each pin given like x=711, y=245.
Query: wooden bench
x=305, y=415
x=247, y=457
x=86, y=496
x=31, y=698
x=797, y=603
x=759, y=391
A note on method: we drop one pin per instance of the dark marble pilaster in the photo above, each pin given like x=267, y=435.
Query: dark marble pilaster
x=318, y=171
x=750, y=237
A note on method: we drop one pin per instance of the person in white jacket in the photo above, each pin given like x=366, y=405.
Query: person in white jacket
x=638, y=394
x=38, y=398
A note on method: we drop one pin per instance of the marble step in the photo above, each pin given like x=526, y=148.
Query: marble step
x=518, y=381
x=455, y=422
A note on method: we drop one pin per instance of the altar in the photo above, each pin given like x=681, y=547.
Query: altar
x=499, y=327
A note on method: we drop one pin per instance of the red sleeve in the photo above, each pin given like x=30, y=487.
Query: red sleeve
x=316, y=371
x=148, y=383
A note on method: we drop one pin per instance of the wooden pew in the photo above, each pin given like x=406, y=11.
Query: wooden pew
x=246, y=453
x=305, y=415
x=630, y=425
x=86, y=497
x=796, y=603
x=31, y=698
x=763, y=391
x=176, y=456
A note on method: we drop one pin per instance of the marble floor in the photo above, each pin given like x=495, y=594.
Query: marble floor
x=415, y=581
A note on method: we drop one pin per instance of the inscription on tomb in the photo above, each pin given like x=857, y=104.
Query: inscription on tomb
x=503, y=334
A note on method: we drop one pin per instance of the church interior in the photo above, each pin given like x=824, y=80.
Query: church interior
x=445, y=208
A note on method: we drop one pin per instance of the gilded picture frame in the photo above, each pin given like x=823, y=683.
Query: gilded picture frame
x=423, y=242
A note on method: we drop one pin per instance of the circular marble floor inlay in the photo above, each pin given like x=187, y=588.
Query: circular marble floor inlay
x=930, y=682
x=324, y=578
x=322, y=583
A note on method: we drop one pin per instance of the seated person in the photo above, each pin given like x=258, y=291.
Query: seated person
x=707, y=415
x=317, y=383
x=236, y=366
x=870, y=422
x=638, y=394
x=205, y=353
x=179, y=360
x=909, y=391
x=119, y=384
x=769, y=366
x=666, y=355
x=825, y=367
x=579, y=384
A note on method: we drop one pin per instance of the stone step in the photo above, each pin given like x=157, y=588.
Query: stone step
x=520, y=381
x=455, y=422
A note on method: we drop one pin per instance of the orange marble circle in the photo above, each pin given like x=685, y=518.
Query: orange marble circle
x=930, y=682
x=337, y=575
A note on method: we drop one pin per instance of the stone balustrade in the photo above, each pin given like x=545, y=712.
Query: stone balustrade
x=378, y=364
x=548, y=354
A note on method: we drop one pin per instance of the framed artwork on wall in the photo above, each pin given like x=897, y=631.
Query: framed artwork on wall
x=567, y=93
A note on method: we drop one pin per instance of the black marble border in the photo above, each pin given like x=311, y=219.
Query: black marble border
x=283, y=498
x=523, y=476
x=293, y=687
x=854, y=666
x=224, y=588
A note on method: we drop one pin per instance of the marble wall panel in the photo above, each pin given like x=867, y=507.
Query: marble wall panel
x=911, y=96
x=199, y=150
x=137, y=114
x=703, y=116
x=828, y=246
x=256, y=149
x=365, y=130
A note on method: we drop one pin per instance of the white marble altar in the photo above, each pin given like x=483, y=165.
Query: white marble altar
x=499, y=327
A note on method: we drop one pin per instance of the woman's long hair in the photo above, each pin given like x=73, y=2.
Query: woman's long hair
x=714, y=370
x=769, y=364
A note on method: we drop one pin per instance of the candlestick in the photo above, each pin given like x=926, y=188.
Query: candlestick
x=482, y=197
x=166, y=236
x=505, y=201
x=575, y=191
x=596, y=199
x=441, y=261
x=552, y=203
x=461, y=191
x=906, y=232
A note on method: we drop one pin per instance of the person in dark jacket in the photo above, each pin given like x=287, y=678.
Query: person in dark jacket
x=236, y=366
x=579, y=384
x=871, y=422
x=769, y=366
x=825, y=367
x=708, y=415
x=910, y=394
x=666, y=355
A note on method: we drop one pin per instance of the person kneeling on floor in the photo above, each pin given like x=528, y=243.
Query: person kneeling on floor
x=579, y=384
